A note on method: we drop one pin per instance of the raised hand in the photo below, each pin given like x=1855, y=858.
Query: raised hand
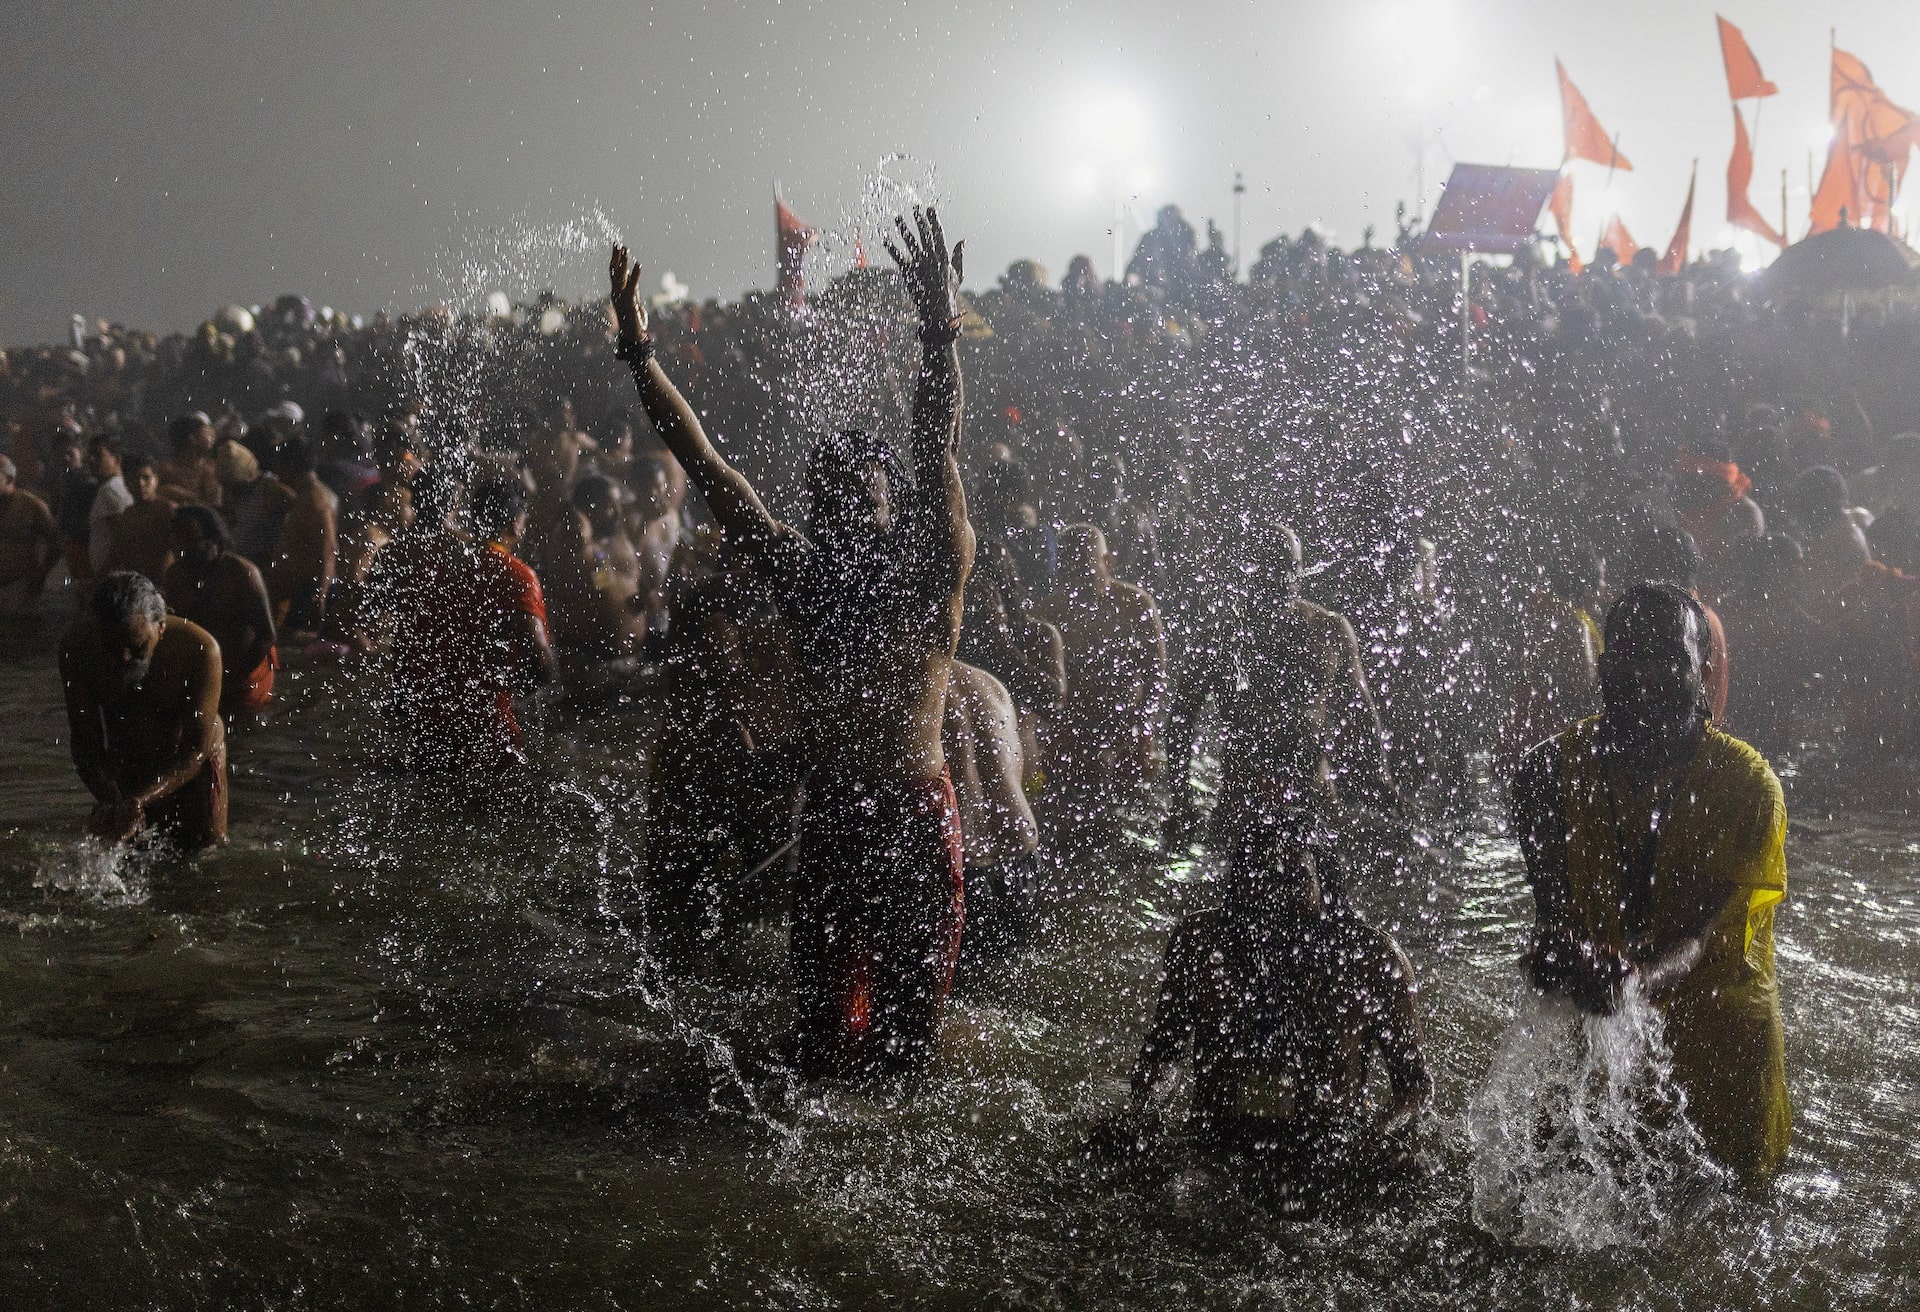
x=932, y=277
x=629, y=315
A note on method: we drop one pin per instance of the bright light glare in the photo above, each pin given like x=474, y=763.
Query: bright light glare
x=1110, y=141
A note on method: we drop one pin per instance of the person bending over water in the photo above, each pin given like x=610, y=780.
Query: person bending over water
x=143, y=709
x=225, y=595
x=1281, y=1002
x=1655, y=845
x=872, y=593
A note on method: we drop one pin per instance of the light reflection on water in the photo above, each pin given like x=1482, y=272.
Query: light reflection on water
x=395, y=1045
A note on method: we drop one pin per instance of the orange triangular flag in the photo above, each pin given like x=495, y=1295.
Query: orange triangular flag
x=1586, y=139
x=1676, y=257
x=1561, y=207
x=1743, y=70
x=791, y=238
x=1617, y=239
x=1834, y=201
x=1740, y=210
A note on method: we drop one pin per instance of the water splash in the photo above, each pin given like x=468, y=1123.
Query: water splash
x=111, y=875
x=1580, y=1137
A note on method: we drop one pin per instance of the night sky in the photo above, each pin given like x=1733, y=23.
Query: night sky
x=161, y=159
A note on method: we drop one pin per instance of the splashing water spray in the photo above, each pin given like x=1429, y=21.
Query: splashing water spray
x=1580, y=1136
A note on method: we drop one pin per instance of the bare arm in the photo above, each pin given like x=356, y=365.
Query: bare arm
x=259, y=609
x=737, y=507
x=1397, y=1036
x=201, y=740
x=87, y=730
x=1359, y=733
x=933, y=279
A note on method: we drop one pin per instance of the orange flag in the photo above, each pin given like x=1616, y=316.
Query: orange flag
x=1834, y=201
x=1740, y=210
x=1617, y=239
x=1676, y=257
x=1586, y=139
x=1873, y=138
x=792, y=238
x=1743, y=70
x=1561, y=207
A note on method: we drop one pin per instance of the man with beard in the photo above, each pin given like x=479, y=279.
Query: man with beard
x=224, y=594
x=872, y=592
x=143, y=709
x=1655, y=845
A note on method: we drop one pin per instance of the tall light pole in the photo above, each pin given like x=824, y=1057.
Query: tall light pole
x=1239, y=190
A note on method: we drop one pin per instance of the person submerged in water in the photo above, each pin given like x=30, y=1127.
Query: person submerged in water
x=872, y=593
x=143, y=707
x=1655, y=845
x=1281, y=1003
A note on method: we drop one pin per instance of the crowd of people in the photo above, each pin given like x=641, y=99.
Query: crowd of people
x=1359, y=527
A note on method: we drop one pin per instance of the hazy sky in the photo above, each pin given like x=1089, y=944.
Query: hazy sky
x=163, y=158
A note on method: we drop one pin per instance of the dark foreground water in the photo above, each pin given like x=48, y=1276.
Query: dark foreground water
x=390, y=1050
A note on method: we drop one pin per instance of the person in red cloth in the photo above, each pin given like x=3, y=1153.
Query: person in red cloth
x=872, y=592
x=469, y=633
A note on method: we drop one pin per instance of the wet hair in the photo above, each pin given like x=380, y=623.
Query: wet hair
x=209, y=524
x=494, y=504
x=838, y=456
x=182, y=428
x=294, y=456
x=138, y=463
x=106, y=442
x=1764, y=565
x=594, y=489
x=1819, y=497
x=1644, y=600
x=123, y=596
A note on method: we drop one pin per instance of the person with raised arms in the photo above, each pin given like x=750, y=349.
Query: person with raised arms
x=871, y=588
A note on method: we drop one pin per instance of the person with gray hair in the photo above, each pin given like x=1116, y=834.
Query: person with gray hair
x=143, y=709
x=29, y=540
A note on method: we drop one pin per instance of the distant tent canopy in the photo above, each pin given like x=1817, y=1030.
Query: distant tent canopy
x=1841, y=260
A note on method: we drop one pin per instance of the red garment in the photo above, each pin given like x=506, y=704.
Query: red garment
x=455, y=664
x=878, y=912
x=251, y=695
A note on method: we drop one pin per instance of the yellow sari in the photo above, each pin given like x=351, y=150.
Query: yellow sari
x=1726, y=828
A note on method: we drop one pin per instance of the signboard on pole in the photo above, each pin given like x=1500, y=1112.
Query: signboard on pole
x=1489, y=210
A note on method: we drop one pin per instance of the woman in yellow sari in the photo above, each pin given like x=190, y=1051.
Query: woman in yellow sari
x=1655, y=845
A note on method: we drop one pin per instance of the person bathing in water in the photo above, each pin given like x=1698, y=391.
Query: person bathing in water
x=1281, y=1002
x=872, y=592
x=1655, y=845
x=143, y=709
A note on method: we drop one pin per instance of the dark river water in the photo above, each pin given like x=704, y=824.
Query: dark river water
x=395, y=1049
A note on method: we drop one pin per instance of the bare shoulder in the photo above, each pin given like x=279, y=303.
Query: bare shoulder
x=976, y=685
x=1380, y=957
x=1326, y=619
x=1135, y=601
x=186, y=638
